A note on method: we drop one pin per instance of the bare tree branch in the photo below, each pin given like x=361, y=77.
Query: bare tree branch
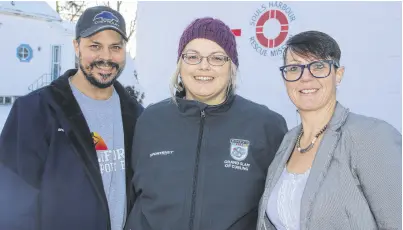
x=132, y=27
x=70, y=10
x=77, y=10
x=118, y=4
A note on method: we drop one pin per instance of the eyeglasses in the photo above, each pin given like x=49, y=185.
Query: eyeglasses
x=318, y=69
x=212, y=59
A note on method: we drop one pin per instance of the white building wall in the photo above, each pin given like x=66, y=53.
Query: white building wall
x=40, y=35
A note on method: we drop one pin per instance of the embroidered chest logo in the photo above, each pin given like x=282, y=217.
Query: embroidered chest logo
x=239, y=150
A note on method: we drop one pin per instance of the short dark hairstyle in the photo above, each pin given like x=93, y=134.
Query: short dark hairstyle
x=313, y=44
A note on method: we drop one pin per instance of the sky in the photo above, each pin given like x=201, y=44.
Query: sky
x=128, y=10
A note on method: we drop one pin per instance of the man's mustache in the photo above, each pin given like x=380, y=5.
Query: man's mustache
x=103, y=63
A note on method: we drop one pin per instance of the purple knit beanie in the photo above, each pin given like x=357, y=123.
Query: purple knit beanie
x=214, y=30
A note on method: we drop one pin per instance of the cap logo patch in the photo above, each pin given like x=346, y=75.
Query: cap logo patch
x=106, y=17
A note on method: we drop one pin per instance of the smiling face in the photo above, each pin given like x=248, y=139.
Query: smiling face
x=102, y=57
x=315, y=88
x=208, y=80
x=310, y=93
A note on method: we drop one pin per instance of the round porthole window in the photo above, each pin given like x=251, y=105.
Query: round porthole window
x=24, y=53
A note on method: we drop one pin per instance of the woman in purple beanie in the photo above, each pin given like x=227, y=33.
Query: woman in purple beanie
x=200, y=158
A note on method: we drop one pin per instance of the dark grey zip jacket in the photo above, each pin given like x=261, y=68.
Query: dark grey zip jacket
x=199, y=167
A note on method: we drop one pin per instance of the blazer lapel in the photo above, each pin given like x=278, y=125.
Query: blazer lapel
x=318, y=173
x=321, y=163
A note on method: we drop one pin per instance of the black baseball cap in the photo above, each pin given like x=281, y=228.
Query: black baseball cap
x=98, y=18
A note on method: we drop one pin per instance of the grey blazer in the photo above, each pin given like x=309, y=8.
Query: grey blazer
x=355, y=180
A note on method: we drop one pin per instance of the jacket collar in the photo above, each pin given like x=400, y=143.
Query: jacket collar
x=339, y=117
x=190, y=107
x=61, y=88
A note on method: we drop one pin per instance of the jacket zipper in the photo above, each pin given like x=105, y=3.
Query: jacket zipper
x=196, y=170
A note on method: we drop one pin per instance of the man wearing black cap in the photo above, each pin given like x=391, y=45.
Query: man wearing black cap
x=65, y=148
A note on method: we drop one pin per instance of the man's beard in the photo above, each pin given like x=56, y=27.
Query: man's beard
x=101, y=63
